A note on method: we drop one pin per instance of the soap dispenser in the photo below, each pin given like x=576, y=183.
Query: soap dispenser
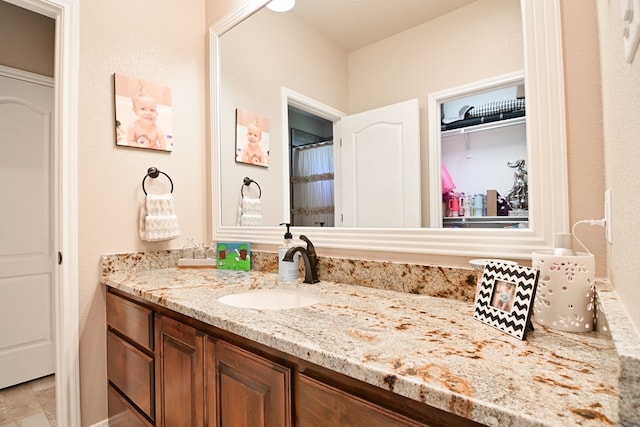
x=287, y=271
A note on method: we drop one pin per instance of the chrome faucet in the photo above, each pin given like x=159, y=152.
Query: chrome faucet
x=310, y=260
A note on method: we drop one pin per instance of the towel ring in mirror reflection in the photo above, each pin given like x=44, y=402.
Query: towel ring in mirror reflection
x=154, y=173
x=247, y=181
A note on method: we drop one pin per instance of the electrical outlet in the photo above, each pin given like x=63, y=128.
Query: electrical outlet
x=607, y=216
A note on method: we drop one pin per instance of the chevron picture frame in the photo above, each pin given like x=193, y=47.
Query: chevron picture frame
x=506, y=296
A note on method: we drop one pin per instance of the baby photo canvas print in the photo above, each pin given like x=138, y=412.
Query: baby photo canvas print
x=143, y=114
x=252, y=138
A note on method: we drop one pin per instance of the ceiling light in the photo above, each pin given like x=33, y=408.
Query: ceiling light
x=281, y=5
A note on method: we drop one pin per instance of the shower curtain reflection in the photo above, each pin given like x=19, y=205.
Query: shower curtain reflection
x=312, y=185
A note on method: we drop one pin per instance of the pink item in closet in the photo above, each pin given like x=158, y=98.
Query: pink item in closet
x=447, y=182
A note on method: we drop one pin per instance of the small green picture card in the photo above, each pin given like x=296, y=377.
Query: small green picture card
x=233, y=256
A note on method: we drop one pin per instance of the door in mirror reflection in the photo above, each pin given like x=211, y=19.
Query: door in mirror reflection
x=378, y=184
x=377, y=168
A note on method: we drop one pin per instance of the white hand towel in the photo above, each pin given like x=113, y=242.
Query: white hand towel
x=158, y=220
x=250, y=212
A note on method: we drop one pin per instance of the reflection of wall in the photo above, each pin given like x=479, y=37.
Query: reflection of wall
x=473, y=43
x=256, y=63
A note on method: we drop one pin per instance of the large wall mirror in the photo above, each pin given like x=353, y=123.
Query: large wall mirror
x=273, y=64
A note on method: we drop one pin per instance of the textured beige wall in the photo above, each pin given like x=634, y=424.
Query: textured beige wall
x=161, y=41
x=584, y=124
x=26, y=39
x=621, y=103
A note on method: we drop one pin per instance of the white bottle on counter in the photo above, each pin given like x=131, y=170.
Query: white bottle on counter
x=287, y=271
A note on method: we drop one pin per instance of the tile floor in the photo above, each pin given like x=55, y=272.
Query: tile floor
x=31, y=404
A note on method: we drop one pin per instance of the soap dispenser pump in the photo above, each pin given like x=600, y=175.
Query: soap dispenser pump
x=287, y=271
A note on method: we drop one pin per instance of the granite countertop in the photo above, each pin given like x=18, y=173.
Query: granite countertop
x=428, y=349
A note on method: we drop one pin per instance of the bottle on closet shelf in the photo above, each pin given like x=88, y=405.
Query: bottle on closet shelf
x=287, y=271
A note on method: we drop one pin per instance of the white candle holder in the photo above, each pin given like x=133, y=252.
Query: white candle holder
x=565, y=295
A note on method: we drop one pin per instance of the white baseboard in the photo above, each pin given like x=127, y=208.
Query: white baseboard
x=103, y=423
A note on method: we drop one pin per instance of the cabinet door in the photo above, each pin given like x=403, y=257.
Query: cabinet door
x=320, y=405
x=179, y=374
x=252, y=391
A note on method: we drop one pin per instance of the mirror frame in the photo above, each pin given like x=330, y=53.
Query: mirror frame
x=547, y=172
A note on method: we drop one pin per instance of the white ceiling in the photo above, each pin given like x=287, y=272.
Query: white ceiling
x=342, y=20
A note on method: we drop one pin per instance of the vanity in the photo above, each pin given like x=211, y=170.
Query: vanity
x=358, y=356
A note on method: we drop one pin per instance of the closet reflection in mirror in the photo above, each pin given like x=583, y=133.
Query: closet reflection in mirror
x=483, y=152
x=465, y=41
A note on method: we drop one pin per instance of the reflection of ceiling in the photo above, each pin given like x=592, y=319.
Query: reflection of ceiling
x=356, y=23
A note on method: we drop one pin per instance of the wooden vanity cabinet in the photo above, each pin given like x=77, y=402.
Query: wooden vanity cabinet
x=181, y=376
x=191, y=374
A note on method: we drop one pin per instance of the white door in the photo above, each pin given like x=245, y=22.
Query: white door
x=378, y=170
x=26, y=240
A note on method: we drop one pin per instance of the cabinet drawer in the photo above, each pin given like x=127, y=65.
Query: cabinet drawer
x=132, y=372
x=122, y=414
x=321, y=405
x=131, y=320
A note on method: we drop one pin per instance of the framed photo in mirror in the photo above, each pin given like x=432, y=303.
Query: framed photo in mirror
x=506, y=297
x=252, y=138
x=143, y=114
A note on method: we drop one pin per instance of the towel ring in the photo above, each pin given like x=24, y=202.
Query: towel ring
x=154, y=173
x=247, y=181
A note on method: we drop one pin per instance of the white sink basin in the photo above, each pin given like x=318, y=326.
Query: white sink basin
x=270, y=299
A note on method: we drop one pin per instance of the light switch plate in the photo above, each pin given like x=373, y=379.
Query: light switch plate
x=631, y=27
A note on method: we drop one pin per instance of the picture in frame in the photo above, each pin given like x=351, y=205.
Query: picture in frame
x=252, y=138
x=143, y=114
x=506, y=296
